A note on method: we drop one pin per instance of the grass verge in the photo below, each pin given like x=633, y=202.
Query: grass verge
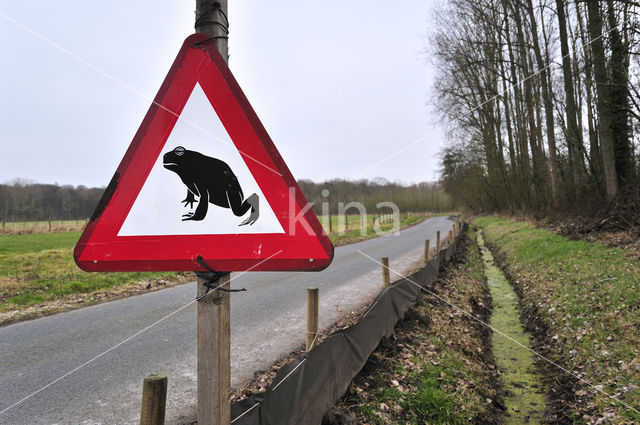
x=581, y=302
x=439, y=368
x=38, y=276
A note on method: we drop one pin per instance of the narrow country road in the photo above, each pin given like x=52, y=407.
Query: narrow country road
x=267, y=322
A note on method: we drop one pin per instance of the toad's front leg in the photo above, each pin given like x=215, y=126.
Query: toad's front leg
x=201, y=209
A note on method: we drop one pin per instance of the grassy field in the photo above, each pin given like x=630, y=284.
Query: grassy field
x=582, y=302
x=38, y=268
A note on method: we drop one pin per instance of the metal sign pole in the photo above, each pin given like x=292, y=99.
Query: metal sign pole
x=214, y=309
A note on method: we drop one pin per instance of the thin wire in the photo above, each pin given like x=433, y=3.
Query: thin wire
x=127, y=340
x=315, y=338
x=289, y=374
x=504, y=335
x=128, y=87
x=246, y=411
x=491, y=99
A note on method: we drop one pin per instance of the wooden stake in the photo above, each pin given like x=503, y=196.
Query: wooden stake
x=437, y=242
x=154, y=399
x=312, y=318
x=214, y=354
x=214, y=310
x=386, y=277
x=426, y=250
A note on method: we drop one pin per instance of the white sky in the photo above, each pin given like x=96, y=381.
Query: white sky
x=339, y=87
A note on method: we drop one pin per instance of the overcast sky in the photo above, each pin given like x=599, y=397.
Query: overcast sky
x=339, y=86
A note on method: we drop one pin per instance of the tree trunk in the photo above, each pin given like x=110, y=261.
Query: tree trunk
x=603, y=96
x=573, y=136
x=547, y=99
x=595, y=159
x=520, y=136
x=619, y=90
x=529, y=94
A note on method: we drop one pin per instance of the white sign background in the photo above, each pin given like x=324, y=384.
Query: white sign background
x=158, y=209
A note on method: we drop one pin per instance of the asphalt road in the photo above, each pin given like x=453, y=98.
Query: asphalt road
x=267, y=322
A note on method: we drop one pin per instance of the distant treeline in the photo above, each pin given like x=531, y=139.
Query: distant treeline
x=418, y=197
x=23, y=201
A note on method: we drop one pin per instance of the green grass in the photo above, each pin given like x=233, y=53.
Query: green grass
x=39, y=267
x=429, y=403
x=34, y=242
x=588, y=295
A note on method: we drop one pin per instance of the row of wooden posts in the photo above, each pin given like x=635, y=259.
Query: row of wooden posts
x=41, y=226
x=376, y=218
x=154, y=388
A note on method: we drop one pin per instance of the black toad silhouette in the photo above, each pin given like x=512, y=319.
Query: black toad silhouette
x=211, y=180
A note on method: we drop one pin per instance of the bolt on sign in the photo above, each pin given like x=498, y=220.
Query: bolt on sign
x=202, y=178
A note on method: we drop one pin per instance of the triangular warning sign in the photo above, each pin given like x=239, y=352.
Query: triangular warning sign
x=202, y=178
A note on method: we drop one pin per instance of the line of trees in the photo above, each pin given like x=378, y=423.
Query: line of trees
x=418, y=197
x=541, y=102
x=25, y=201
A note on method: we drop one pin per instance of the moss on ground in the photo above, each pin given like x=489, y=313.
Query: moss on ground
x=581, y=301
x=524, y=392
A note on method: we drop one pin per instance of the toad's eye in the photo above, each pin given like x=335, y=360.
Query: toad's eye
x=179, y=151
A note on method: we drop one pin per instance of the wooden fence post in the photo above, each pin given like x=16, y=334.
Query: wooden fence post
x=386, y=276
x=214, y=354
x=426, y=250
x=437, y=242
x=312, y=318
x=154, y=399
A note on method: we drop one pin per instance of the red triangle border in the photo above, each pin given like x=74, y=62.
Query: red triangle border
x=303, y=246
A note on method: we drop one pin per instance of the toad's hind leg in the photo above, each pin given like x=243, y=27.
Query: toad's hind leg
x=240, y=207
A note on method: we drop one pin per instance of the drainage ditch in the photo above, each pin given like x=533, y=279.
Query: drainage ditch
x=523, y=391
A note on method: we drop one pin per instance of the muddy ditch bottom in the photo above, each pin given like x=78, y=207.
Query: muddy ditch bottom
x=524, y=394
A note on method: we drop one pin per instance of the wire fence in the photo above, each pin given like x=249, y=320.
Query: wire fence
x=311, y=384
